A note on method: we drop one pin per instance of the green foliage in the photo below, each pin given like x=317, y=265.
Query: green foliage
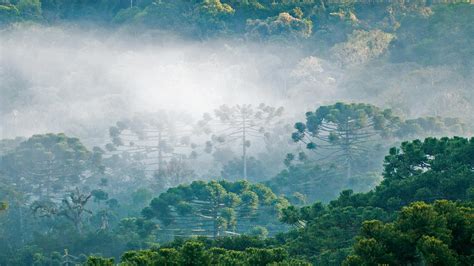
x=42, y=168
x=428, y=170
x=136, y=232
x=357, y=228
x=55, y=161
x=265, y=256
x=218, y=205
x=447, y=28
x=29, y=9
x=141, y=257
x=345, y=127
x=195, y=252
x=352, y=138
x=8, y=13
x=420, y=234
x=314, y=182
x=283, y=24
x=99, y=195
x=98, y=261
x=418, y=171
x=323, y=232
x=259, y=231
x=210, y=15
x=351, y=25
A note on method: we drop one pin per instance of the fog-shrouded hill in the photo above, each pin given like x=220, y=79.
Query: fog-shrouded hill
x=59, y=72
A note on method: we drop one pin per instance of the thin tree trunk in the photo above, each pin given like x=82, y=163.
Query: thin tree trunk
x=348, y=153
x=160, y=153
x=244, y=148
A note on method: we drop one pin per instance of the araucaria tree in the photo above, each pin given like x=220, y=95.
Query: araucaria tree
x=239, y=123
x=46, y=165
x=341, y=132
x=158, y=143
x=215, y=208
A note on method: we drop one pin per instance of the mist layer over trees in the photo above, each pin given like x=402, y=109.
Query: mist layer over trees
x=215, y=132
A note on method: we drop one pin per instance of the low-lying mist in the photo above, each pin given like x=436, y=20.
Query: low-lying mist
x=77, y=81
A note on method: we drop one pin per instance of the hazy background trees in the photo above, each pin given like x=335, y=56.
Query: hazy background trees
x=242, y=124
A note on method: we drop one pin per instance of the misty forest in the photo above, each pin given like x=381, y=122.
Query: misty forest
x=236, y=132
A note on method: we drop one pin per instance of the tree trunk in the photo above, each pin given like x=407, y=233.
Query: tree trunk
x=160, y=153
x=348, y=153
x=244, y=149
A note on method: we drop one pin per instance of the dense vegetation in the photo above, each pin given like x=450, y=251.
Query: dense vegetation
x=441, y=29
x=46, y=203
x=383, y=175
x=425, y=171
x=438, y=232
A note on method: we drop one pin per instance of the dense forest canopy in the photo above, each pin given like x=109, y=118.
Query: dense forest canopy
x=224, y=132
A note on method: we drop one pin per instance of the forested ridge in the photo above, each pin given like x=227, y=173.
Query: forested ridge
x=342, y=134
x=414, y=31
